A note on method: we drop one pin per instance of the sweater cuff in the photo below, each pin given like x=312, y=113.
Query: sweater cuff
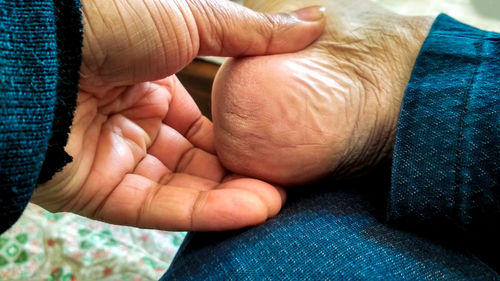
x=447, y=155
x=69, y=44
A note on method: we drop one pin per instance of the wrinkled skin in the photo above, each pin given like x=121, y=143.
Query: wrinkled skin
x=143, y=155
x=331, y=108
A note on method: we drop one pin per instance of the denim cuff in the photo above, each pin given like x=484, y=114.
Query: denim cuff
x=446, y=160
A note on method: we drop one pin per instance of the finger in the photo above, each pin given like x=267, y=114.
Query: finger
x=183, y=111
x=236, y=204
x=274, y=198
x=229, y=29
x=140, y=202
x=233, y=177
x=185, y=117
x=179, y=155
x=169, y=147
x=152, y=168
x=201, y=134
x=190, y=181
x=202, y=164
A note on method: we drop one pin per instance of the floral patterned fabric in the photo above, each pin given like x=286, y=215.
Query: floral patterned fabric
x=67, y=247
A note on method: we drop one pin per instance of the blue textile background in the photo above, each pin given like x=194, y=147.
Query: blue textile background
x=446, y=170
x=40, y=55
x=335, y=231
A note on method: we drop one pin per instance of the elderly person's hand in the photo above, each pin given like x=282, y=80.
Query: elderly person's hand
x=143, y=155
x=331, y=108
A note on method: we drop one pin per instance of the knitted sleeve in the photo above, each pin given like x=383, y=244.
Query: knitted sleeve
x=446, y=167
x=40, y=55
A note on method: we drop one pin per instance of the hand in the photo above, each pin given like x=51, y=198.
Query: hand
x=143, y=155
x=130, y=41
x=330, y=108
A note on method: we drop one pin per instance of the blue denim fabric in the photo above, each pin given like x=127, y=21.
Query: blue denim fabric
x=444, y=185
x=335, y=233
x=446, y=170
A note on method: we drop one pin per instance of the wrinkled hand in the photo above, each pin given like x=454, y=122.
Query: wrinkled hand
x=143, y=155
x=330, y=108
x=144, y=40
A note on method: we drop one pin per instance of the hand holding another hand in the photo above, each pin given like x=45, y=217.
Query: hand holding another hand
x=330, y=108
x=143, y=155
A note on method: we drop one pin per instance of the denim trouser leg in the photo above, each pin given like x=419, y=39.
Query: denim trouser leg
x=328, y=233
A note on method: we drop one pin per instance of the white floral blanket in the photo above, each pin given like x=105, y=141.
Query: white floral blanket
x=43, y=246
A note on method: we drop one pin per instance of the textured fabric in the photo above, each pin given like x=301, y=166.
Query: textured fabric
x=447, y=153
x=69, y=43
x=444, y=184
x=336, y=233
x=31, y=65
x=42, y=246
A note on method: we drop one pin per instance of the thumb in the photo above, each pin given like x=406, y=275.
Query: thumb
x=229, y=29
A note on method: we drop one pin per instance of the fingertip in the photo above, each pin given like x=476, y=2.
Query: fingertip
x=310, y=14
x=299, y=30
x=228, y=209
x=243, y=32
x=271, y=196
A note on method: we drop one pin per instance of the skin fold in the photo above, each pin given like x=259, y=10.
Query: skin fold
x=331, y=108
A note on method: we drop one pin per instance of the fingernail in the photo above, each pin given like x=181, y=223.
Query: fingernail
x=313, y=13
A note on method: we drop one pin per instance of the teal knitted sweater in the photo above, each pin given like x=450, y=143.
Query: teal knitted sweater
x=40, y=55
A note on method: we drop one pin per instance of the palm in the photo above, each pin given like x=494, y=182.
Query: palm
x=144, y=156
